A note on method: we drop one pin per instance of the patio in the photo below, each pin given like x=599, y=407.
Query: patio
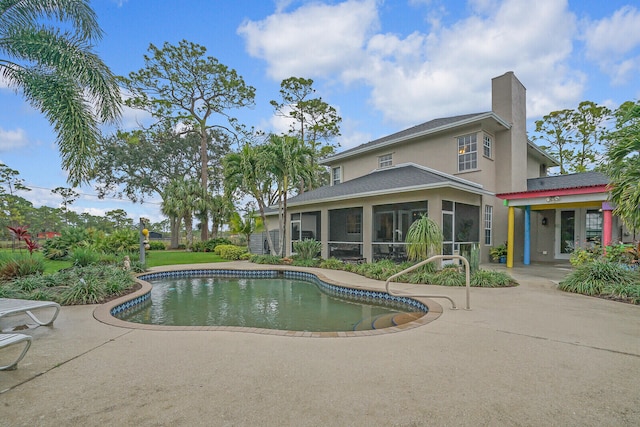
x=529, y=355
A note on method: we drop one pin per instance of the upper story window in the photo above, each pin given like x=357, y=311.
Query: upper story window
x=487, y=146
x=385, y=161
x=336, y=175
x=467, y=152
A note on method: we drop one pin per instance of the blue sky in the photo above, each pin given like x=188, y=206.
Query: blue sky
x=385, y=65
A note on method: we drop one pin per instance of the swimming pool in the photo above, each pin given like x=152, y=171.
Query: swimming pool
x=264, y=299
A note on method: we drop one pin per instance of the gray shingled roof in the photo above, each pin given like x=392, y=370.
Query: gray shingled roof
x=389, y=179
x=418, y=129
x=560, y=182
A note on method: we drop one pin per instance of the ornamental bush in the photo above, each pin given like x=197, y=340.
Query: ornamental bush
x=230, y=252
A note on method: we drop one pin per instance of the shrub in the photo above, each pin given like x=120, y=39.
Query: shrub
x=594, y=277
x=265, y=259
x=81, y=257
x=580, y=256
x=155, y=245
x=624, y=291
x=121, y=241
x=332, y=264
x=449, y=277
x=20, y=266
x=307, y=248
x=306, y=262
x=229, y=252
x=210, y=245
x=84, y=291
x=491, y=279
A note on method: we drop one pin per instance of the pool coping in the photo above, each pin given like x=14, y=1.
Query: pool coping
x=103, y=314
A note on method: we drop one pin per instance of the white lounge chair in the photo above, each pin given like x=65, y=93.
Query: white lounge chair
x=10, y=339
x=14, y=306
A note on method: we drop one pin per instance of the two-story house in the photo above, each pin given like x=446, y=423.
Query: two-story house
x=471, y=173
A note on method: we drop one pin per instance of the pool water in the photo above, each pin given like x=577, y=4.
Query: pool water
x=270, y=303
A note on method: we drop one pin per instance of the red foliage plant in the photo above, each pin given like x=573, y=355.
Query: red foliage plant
x=32, y=245
x=20, y=232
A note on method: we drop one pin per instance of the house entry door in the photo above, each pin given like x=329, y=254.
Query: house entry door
x=566, y=232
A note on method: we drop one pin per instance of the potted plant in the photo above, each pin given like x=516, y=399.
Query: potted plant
x=499, y=253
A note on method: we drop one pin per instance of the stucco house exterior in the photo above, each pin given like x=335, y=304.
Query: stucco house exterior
x=474, y=174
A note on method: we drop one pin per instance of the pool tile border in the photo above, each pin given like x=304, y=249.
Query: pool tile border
x=105, y=312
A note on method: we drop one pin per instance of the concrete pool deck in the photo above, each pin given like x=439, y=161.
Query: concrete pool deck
x=529, y=355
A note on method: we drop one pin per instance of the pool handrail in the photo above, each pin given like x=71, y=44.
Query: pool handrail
x=426, y=261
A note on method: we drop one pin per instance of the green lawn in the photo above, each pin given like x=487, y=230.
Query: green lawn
x=153, y=259
x=158, y=258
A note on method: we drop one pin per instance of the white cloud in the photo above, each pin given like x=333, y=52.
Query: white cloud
x=614, y=43
x=12, y=139
x=314, y=40
x=433, y=72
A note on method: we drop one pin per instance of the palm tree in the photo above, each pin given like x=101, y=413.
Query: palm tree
x=289, y=161
x=246, y=171
x=180, y=200
x=56, y=70
x=424, y=238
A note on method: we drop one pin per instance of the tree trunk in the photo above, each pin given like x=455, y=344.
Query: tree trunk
x=261, y=207
x=204, y=155
x=175, y=232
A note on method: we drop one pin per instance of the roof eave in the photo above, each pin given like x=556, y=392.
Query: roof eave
x=479, y=117
x=453, y=185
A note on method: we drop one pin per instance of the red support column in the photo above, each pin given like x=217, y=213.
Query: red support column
x=607, y=227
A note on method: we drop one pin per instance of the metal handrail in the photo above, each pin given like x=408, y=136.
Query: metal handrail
x=420, y=264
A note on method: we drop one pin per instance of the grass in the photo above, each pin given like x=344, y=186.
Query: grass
x=159, y=258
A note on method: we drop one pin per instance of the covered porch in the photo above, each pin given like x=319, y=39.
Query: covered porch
x=560, y=213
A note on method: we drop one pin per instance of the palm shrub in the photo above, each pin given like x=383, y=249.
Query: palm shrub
x=121, y=241
x=595, y=277
x=307, y=248
x=424, y=237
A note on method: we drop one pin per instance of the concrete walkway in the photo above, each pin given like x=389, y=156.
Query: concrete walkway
x=524, y=356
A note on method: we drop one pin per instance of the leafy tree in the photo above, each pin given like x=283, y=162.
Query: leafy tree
x=314, y=122
x=69, y=195
x=589, y=121
x=624, y=163
x=57, y=72
x=119, y=219
x=575, y=137
x=246, y=172
x=9, y=184
x=555, y=128
x=184, y=89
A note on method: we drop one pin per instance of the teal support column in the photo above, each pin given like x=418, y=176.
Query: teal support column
x=527, y=235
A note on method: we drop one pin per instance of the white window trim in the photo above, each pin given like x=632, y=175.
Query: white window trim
x=464, y=153
x=385, y=161
x=488, y=224
x=333, y=180
x=484, y=138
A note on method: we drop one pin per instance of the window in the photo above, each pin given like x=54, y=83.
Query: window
x=593, y=225
x=488, y=221
x=336, y=175
x=354, y=222
x=467, y=152
x=486, y=146
x=385, y=161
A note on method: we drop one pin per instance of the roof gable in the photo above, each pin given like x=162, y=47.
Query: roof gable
x=432, y=126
